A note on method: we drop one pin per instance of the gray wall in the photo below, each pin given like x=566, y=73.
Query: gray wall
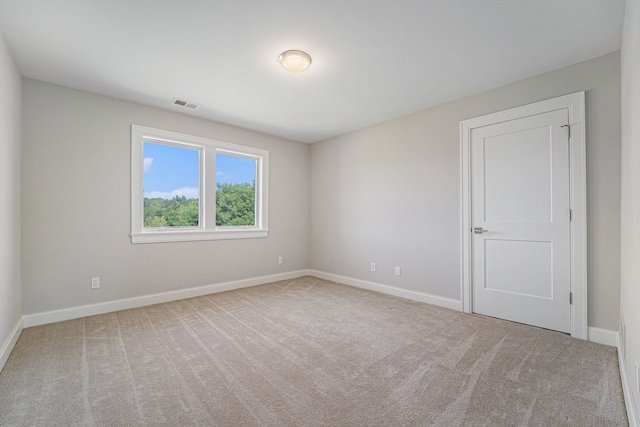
x=10, y=127
x=630, y=292
x=390, y=193
x=387, y=194
x=76, y=205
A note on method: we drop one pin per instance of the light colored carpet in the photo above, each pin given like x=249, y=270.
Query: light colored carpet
x=305, y=352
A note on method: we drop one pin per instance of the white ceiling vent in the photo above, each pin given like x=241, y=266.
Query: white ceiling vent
x=183, y=103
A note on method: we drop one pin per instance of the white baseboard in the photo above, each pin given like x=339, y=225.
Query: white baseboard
x=125, y=304
x=390, y=290
x=627, y=391
x=612, y=338
x=603, y=336
x=11, y=341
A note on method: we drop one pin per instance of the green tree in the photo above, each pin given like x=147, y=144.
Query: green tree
x=235, y=204
x=176, y=212
x=155, y=221
x=189, y=213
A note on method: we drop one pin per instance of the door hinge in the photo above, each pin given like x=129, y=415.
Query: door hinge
x=568, y=129
x=570, y=298
x=570, y=215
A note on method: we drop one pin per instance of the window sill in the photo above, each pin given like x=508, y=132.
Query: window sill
x=196, y=235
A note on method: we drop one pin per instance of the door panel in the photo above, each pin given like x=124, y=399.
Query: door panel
x=524, y=158
x=519, y=267
x=520, y=201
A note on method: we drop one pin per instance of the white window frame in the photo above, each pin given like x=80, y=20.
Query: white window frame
x=207, y=229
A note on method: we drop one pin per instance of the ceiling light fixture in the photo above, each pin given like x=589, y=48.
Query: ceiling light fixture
x=295, y=61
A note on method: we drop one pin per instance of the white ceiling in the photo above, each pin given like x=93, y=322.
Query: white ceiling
x=373, y=60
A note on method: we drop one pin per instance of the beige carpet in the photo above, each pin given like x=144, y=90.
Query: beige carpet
x=305, y=352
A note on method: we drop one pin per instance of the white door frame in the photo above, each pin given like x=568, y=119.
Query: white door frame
x=574, y=103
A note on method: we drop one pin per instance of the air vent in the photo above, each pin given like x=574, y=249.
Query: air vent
x=183, y=103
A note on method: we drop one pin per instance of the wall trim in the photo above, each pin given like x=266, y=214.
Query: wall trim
x=141, y=301
x=612, y=338
x=390, y=290
x=603, y=336
x=10, y=343
x=627, y=390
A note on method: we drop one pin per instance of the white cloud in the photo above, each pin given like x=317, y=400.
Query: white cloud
x=147, y=163
x=188, y=192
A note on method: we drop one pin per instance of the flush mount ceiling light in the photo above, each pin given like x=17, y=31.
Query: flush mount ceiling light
x=295, y=61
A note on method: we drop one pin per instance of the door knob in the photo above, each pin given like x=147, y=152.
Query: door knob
x=479, y=230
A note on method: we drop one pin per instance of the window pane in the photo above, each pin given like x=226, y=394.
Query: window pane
x=235, y=190
x=171, y=186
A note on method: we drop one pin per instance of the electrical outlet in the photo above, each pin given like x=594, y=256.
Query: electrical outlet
x=95, y=282
x=373, y=266
x=280, y=260
x=397, y=271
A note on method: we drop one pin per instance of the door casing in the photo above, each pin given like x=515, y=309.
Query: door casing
x=575, y=104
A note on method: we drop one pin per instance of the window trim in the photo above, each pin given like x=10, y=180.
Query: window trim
x=207, y=229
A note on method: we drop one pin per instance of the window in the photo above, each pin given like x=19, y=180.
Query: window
x=187, y=188
x=171, y=185
x=235, y=190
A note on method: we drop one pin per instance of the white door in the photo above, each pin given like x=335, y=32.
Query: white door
x=520, y=220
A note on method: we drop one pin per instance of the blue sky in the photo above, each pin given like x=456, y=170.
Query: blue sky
x=173, y=171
